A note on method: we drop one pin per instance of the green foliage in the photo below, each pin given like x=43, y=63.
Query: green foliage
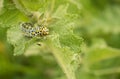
x=71, y=21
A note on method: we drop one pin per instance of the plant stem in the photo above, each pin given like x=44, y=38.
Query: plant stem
x=62, y=60
x=66, y=69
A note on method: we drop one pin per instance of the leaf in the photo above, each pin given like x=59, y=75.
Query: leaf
x=36, y=4
x=72, y=41
x=99, y=61
x=17, y=39
x=13, y=18
x=99, y=52
x=61, y=11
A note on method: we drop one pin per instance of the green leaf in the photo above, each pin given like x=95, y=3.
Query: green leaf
x=13, y=18
x=99, y=52
x=99, y=61
x=72, y=41
x=36, y=4
x=61, y=11
x=17, y=39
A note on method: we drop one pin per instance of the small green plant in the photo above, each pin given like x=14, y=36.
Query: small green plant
x=62, y=42
x=58, y=27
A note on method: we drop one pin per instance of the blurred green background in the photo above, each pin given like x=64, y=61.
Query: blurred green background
x=98, y=24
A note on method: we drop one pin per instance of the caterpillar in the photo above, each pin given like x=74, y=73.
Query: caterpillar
x=33, y=30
